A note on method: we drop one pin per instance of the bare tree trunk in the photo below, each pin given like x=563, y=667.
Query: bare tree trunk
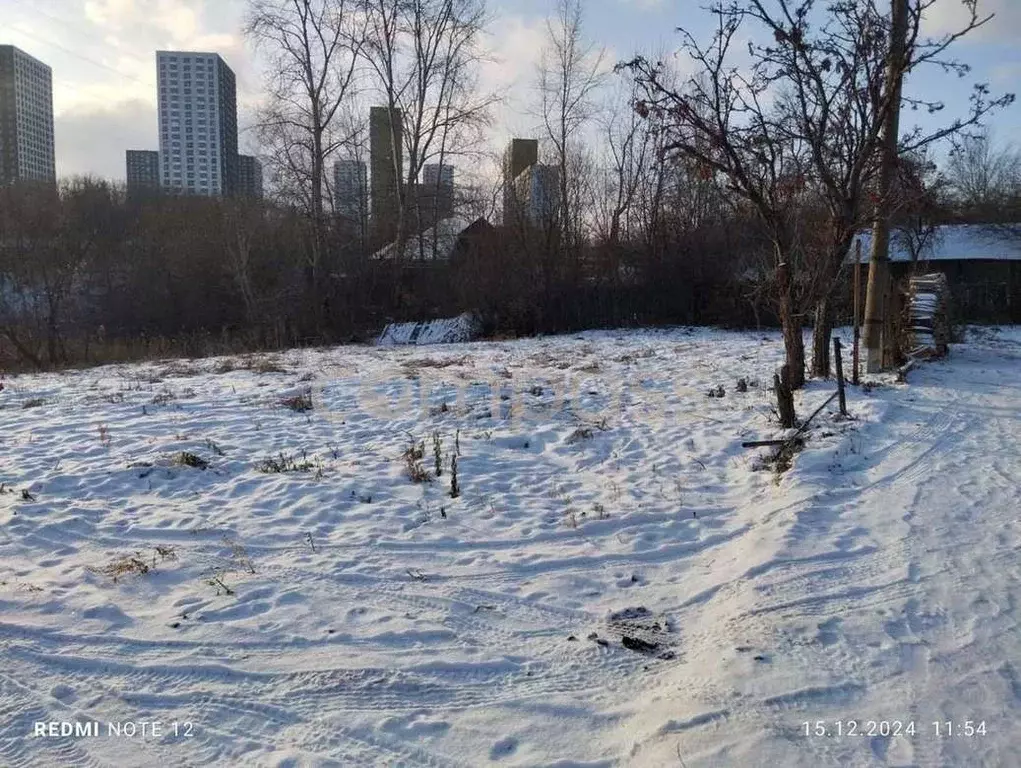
x=784, y=397
x=879, y=270
x=794, y=345
x=793, y=338
x=23, y=349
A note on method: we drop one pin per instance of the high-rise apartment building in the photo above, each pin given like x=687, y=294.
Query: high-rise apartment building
x=198, y=123
x=351, y=192
x=386, y=129
x=537, y=195
x=520, y=155
x=249, y=177
x=143, y=171
x=433, y=199
x=26, y=118
x=436, y=175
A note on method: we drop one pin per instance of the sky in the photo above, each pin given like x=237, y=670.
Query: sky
x=102, y=53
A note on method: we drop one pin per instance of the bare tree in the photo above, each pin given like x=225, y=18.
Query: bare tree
x=803, y=109
x=983, y=175
x=719, y=120
x=920, y=206
x=571, y=70
x=29, y=216
x=313, y=48
x=423, y=56
x=241, y=219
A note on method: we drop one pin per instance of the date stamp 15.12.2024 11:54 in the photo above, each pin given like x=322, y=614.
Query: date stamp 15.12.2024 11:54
x=942, y=729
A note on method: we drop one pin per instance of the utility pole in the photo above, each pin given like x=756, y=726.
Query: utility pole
x=877, y=298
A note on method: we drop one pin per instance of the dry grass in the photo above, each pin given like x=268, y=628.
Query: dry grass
x=432, y=362
x=35, y=402
x=216, y=580
x=581, y=433
x=186, y=459
x=164, y=397
x=180, y=370
x=254, y=363
x=282, y=463
x=413, y=456
x=263, y=364
x=227, y=365
x=299, y=403
x=137, y=564
x=239, y=554
x=641, y=354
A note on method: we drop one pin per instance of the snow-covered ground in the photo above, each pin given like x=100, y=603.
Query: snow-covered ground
x=618, y=582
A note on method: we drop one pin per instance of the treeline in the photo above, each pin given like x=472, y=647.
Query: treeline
x=89, y=276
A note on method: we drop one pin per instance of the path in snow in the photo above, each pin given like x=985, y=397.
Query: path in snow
x=894, y=597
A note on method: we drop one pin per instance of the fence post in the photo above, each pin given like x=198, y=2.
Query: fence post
x=840, y=376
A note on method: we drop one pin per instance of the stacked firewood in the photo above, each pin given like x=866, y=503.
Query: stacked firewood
x=926, y=321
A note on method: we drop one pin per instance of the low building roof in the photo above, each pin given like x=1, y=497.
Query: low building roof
x=437, y=242
x=953, y=242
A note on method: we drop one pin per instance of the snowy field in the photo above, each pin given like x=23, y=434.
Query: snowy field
x=617, y=582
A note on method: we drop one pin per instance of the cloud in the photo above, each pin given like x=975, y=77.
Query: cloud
x=93, y=140
x=947, y=16
x=102, y=55
x=106, y=12
x=515, y=47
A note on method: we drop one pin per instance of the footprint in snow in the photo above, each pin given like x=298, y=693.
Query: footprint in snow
x=503, y=748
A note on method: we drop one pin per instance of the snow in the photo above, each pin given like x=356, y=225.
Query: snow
x=449, y=330
x=376, y=621
x=951, y=242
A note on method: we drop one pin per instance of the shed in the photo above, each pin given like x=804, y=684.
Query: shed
x=982, y=264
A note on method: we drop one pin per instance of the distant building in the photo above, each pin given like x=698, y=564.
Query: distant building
x=351, y=193
x=198, y=123
x=249, y=177
x=143, y=172
x=436, y=175
x=537, y=194
x=433, y=199
x=26, y=118
x=436, y=243
x=386, y=130
x=520, y=155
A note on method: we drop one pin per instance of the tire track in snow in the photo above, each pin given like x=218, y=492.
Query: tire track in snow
x=271, y=694
x=244, y=719
x=817, y=586
x=20, y=708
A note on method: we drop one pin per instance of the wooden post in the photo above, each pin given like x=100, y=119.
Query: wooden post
x=855, y=360
x=784, y=396
x=840, y=377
